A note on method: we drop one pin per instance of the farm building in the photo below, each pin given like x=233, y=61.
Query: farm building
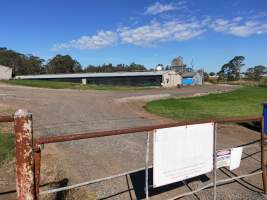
x=178, y=65
x=152, y=78
x=5, y=73
x=192, y=78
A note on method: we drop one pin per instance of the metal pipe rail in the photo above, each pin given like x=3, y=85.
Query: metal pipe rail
x=7, y=118
x=65, y=138
x=212, y=185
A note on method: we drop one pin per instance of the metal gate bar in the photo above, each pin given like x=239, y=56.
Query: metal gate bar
x=8, y=118
x=92, y=181
x=65, y=138
x=146, y=166
x=214, y=160
x=211, y=185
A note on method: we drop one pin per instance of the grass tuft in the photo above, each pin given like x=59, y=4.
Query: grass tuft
x=6, y=146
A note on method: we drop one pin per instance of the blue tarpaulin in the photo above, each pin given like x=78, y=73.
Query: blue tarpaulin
x=265, y=117
x=187, y=81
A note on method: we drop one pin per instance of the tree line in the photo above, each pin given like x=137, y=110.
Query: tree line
x=23, y=64
x=231, y=71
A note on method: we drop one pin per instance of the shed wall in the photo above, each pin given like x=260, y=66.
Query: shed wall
x=131, y=80
x=171, y=79
x=5, y=73
x=198, y=79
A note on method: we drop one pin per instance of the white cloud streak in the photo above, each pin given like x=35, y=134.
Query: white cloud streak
x=239, y=27
x=158, y=8
x=155, y=32
x=101, y=40
x=160, y=31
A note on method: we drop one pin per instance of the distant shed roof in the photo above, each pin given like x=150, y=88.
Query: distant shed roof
x=188, y=74
x=93, y=75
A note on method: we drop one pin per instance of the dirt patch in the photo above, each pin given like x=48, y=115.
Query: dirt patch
x=53, y=175
x=143, y=98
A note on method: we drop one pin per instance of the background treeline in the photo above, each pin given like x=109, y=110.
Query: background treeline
x=231, y=71
x=29, y=64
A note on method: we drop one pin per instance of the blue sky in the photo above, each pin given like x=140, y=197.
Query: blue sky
x=206, y=33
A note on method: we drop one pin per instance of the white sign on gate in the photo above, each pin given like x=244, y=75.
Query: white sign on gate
x=182, y=152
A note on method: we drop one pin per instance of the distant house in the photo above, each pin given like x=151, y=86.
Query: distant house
x=5, y=73
x=151, y=78
x=192, y=78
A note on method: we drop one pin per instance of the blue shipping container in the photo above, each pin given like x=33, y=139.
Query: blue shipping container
x=265, y=117
x=187, y=81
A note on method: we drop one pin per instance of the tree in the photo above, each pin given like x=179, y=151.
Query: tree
x=63, y=64
x=212, y=74
x=206, y=77
x=256, y=72
x=20, y=63
x=231, y=70
x=136, y=67
x=118, y=68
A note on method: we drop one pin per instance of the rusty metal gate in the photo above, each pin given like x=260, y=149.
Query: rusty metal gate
x=28, y=153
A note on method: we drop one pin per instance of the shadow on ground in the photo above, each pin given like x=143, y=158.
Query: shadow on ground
x=138, y=181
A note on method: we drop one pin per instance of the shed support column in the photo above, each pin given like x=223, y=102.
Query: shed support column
x=24, y=156
x=84, y=81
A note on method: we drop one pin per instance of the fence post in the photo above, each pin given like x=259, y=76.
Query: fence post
x=146, y=167
x=263, y=156
x=24, y=155
x=214, y=161
x=37, y=170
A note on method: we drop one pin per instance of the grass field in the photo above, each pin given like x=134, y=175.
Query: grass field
x=69, y=85
x=6, y=145
x=246, y=101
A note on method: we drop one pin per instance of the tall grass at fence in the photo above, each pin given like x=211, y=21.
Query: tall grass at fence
x=6, y=145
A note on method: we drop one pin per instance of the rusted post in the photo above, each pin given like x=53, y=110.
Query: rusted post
x=37, y=170
x=263, y=158
x=24, y=155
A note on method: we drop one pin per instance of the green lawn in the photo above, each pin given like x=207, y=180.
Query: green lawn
x=246, y=101
x=69, y=85
x=6, y=145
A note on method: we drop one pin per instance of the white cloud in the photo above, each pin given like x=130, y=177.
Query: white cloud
x=237, y=19
x=155, y=32
x=100, y=40
x=164, y=30
x=239, y=27
x=158, y=8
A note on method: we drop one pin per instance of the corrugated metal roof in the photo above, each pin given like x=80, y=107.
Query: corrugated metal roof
x=188, y=74
x=95, y=75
